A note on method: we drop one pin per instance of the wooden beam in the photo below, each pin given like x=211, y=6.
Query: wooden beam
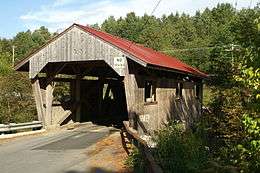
x=134, y=133
x=77, y=97
x=67, y=113
x=54, y=73
x=154, y=167
x=49, y=99
x=58, y=79
x=86, y=72
x=100, y=96
x=38, y=100
x=65, y=116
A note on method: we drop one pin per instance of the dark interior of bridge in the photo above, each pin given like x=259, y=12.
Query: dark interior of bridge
x=102, y=93
x=103, y=102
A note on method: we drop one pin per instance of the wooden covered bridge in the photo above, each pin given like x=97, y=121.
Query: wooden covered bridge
x=110, y=80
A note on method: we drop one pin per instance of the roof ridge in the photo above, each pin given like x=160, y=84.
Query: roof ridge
x=113, y=36
x=143, y=53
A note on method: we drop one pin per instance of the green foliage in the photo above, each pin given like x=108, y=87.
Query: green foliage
x=246, y=154
x=26, y=42
x=62, y=90
x=5, y=66
x=136, y=161
x=16, y=104
x=231, y=126
x=16, y=100
x=180, y=150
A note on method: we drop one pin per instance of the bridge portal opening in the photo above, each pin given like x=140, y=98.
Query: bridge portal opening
x=86, y=91
x=103, y=102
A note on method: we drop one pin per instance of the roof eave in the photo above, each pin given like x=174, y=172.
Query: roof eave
x=201, y=76
x=26, y=59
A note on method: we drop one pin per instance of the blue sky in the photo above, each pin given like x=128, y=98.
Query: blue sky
x=21, y=15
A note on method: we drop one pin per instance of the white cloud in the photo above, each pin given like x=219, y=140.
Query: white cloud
x=63, y=13
x=62, y=2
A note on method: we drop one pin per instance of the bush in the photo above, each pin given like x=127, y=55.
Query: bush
x=136, y=161
x=247, y=153
x=180, y=150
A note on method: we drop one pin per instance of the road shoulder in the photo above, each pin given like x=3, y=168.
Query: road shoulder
x=107, y=155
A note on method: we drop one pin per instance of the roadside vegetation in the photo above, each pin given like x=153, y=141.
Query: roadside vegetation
x=16, y=100
x=136, y=161
x=223, y=42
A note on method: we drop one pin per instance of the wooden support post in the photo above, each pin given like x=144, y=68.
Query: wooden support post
x=38, y=100
x=100, y=97
x=72, y=95
x=77, y=97
x=49, y=99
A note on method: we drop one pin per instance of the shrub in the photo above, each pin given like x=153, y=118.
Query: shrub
x=136, y=161
x=247, y=153
x=180, y=150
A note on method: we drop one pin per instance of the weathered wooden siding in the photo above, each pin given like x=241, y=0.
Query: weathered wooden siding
x=75, y=45
x=152, y=116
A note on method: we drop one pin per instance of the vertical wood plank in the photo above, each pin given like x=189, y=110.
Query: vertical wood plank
x=77, y=98
x=38, y=100
x=49, y=99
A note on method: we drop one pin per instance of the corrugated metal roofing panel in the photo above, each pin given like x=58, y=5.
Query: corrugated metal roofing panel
x=145, y=54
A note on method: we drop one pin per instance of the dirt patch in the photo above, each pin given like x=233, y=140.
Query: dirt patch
x=108, y=156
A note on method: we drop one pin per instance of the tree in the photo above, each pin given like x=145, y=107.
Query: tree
x=16, y=101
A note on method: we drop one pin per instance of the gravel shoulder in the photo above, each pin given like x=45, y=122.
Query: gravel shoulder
x=107, y=156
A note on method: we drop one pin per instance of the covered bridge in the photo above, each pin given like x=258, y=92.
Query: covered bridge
x=111, y=79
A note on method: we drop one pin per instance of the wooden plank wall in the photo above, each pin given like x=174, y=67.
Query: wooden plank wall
x=75, y=45
x=167, y=107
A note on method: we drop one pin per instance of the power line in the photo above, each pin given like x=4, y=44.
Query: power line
x=233, y=48
x=188, y=49
x=147, y=20
x=13, y=51
x=236, y=4
x=156, y=6
x=251, y=1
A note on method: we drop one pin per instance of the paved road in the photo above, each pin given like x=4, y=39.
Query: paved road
x=59, y=152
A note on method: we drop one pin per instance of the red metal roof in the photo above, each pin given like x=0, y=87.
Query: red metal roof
x=147, y=55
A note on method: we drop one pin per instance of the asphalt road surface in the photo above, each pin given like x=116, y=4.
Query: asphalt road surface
x=57, y=152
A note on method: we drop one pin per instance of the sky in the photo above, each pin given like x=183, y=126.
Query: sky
x=56, y=15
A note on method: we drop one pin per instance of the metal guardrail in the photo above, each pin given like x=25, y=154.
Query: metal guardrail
x=20, y=126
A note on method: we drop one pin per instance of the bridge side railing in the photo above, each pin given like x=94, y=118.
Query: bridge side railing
x=153, y=167
x=4, y=128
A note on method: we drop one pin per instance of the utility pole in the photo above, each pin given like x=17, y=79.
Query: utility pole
x=232, y=54
x=13, y=55
x=232, y=48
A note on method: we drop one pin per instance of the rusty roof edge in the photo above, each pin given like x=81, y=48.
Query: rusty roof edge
x=26, y=59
